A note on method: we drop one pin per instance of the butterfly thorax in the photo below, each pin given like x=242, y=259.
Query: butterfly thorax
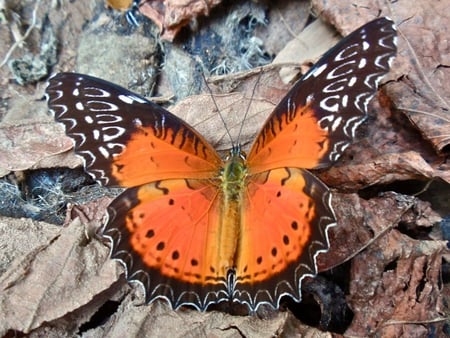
x=233, y=173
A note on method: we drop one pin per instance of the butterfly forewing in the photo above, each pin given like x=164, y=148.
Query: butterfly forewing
x=318, y=118
x=125, y=139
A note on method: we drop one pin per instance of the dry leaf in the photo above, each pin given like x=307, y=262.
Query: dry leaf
x=308, y=46
x=172, y=15
x=24, y=145
x=201, y=113
x=360, y=222
x=422, y=93
x=396, y=282
x=53, y=280
x=158, y=320
x=384, y=169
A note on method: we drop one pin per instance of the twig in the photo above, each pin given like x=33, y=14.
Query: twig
x=25, y=36
x=253, y=71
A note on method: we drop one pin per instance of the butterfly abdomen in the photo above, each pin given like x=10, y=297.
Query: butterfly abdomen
x=232, y=188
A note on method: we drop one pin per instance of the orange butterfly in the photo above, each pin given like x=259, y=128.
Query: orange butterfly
x=195, y=229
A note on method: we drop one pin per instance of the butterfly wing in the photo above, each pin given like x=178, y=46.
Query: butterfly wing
x=125, y=139
x=285, y=218
x=163, y=226
x=287, y=211
x=171, y=227
x=317, y=120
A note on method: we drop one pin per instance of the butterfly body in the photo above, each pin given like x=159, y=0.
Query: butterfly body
x=195, y=229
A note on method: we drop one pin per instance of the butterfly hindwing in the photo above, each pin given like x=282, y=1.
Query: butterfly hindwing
x=285, y=217
x=125, y=139
x=316, y=121
x=171, y=227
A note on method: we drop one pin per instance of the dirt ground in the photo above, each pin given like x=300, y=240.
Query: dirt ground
x=386, y=273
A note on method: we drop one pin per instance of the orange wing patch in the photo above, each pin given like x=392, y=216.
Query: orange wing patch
x=293, y=139
x=172, y=228
x=174, y=154
x=121, y=5
x=283, y=213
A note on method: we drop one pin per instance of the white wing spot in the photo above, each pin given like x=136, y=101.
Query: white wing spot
x=318, y=71
x=89, y=119
x=126, y=99
x=103, y=151
x=345, y=101
x=115, y=132
x=341, y=55
x=116, y=145
x=341, y=70
x=391, y=60
x=79, y=106
x=362, y=63
x=352, y=81
x=76, y=92
x=96, y=92
x=107, y=106
x=96, y=134
x=336, y=123
x=352, y=124
x=137, y=99
x=331, y=108
x=339, y=86
x=325, y=121
x=365, y=45
x=108, y=118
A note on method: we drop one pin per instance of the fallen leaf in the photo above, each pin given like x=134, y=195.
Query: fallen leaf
x=158, y=318
x=54, y=279
x=172, y=15
x=308, y=46
x=24, y=145
x=395, y=282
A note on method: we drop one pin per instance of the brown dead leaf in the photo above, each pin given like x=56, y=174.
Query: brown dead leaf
x=158, y=319
x=384, y=169
x=53, y=280
x=308, y=46
x=172, y=15
x=360, y=222
x=287, y=20
x=347, y=17
x=396, y=282
x=21, y=237
x=201, y=113
x=24, y=145
x=422, y=91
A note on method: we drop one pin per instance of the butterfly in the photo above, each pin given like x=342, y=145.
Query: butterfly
x=129, y=7
x=195, y=229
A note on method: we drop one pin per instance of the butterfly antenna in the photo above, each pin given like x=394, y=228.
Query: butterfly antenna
x=218, y=110
x=248, y=107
